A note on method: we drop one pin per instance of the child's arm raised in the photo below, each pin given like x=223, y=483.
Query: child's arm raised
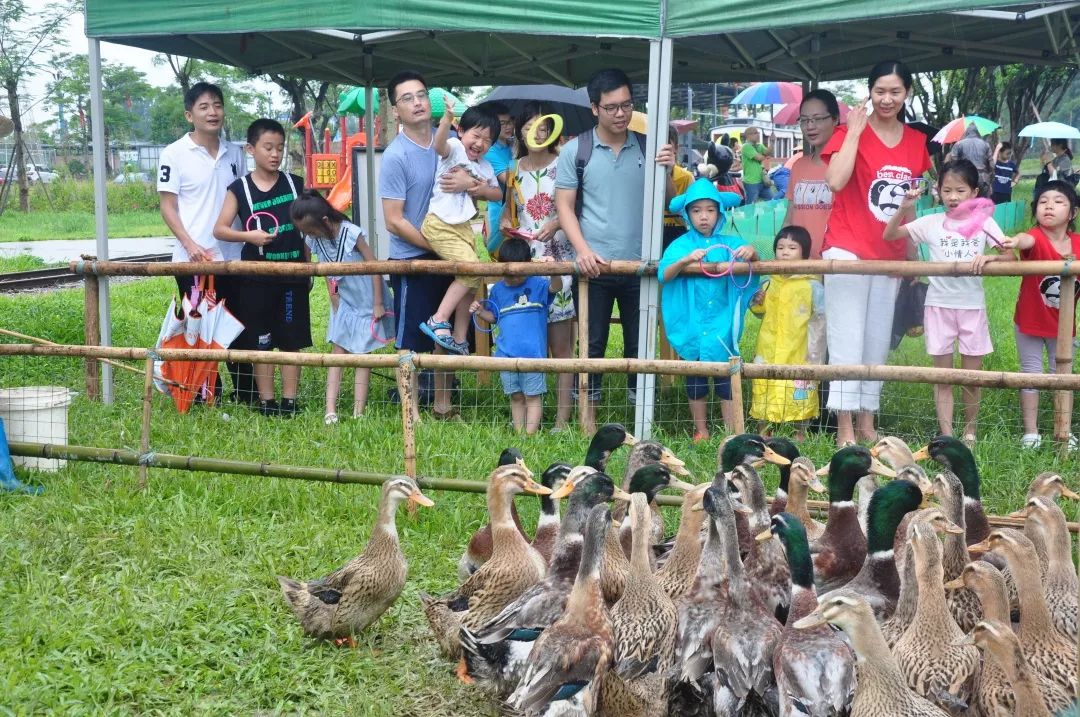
x=1020, y=242
x=842, y=163
x=442, y=134
x=379, y=309
x=676, y=267
x=895, y=229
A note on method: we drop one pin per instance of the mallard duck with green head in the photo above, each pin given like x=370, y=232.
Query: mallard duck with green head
x=814, y=668
x=746, y=448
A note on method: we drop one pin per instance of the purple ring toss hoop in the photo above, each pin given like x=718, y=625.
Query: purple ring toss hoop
x=491, y=307
x=374, y=334
x=727, y=272
x=277, y=224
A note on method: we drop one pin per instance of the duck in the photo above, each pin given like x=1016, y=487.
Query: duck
x=934, y=664
x=786, y=448
x=917, y=475
x=958, y=458
x=615, y=566
x=700, y=609
x=814, y=669
x=893, y=628
x=514, y=566
x=746, y=633
x=841, y=550
x=746, y=448
x=478, y=551
x=496, y=651
x=607, y=439
x=877, y=581
x=963, y=604
x=994, y=695
x=893, y=452
x=1043, y=519
x=661, y=478
x=802, y=479
x=1050, y=485
x=547, y=525
x=569, y=658
x=882, y=690
x=351, y=598
x=767, y=574
x=1049, y=652
x=1002, y=648
x=643, y=621
x=676, y=574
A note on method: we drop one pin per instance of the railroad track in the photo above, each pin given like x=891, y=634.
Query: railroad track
x=59, y=276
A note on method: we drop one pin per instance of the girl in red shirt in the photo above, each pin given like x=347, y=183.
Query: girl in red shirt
x=873, y=162
x=1053, y=238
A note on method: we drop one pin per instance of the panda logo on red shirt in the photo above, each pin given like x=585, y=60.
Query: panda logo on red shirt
x=1050, y=291
x=887, y=191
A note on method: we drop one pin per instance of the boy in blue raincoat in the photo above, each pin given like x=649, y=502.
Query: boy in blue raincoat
x=703, y=316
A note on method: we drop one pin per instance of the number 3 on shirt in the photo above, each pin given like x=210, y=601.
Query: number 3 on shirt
x=166, y=172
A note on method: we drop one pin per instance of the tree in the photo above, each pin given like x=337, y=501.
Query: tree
x=25, y=37
x=320, y=97
x=124, y=90
x=243, y=103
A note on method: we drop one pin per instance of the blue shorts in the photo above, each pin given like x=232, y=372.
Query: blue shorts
x=697, y=387
x=531, y=384
x=416, y=297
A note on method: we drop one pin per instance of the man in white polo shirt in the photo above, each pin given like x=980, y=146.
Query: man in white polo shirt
x=194, y=173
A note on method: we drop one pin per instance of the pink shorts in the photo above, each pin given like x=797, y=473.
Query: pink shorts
x=944, y=328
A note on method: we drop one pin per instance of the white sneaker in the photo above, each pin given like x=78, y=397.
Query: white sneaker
x=1031, y=440
x=1073, y=443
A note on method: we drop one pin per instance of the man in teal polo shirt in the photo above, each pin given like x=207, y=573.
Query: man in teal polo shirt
x=500, y=156
x=609, y=228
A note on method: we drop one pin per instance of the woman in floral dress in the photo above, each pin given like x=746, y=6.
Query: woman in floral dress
x=530, y=212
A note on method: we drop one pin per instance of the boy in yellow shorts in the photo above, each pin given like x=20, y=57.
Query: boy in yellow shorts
x=447, y=226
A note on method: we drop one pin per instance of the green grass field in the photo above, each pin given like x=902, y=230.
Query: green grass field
x=43, y=225
x=165, y=602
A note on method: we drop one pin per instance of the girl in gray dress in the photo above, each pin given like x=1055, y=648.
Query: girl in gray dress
x=360, y=322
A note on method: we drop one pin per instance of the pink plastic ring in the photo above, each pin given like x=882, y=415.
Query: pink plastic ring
x=277, y=224
x=374, y=334
x=730, y=268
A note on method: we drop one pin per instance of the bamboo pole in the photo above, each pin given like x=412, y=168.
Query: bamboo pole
x=622, y=268
x=736, y=395
x=144, y=435
x=120, y=456
x=812, y=372
x=1063, y=358
x=408, y=419
x=91, y=294
x=89, y=360
x=583, y=351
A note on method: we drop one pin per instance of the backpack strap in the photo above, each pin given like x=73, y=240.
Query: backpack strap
x=251, y=204
x=584, y=154
x=513, y=192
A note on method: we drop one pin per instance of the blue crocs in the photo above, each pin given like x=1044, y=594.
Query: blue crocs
x=429, y=328
x=8, y=481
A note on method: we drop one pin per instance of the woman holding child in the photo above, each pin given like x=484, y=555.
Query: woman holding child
x=530, y=213
x=872, y=163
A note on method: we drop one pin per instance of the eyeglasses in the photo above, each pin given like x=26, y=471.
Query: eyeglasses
x=411, y=97
x=623, y=108
x=813, y=121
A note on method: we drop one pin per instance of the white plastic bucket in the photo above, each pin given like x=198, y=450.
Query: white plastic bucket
x=36, y=414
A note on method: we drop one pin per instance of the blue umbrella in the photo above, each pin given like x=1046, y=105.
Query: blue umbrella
x=1050, y=130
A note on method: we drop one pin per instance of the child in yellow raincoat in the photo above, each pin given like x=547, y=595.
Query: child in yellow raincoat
x=792, y=332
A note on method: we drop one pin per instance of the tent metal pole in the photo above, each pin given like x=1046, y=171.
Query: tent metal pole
x=652, y=225
x=369, y=150
x=101, y=210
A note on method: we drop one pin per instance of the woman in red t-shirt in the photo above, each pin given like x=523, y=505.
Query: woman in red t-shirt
x=1053, y=238
x=872, y=164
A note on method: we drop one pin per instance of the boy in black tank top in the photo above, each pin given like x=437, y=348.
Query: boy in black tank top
x=275, y=311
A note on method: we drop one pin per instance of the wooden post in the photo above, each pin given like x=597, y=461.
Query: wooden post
x=736, y=395
x=583, y=352
x=144, y=435
x=483, y=344
x=408, y=423
x=1063, y=357
x=91, y=293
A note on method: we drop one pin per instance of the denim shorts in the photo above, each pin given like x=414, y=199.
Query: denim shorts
x=697, y=387
x=531, y=384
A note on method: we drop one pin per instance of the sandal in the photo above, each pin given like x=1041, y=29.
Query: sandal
x=431, y=327
x=330, y=418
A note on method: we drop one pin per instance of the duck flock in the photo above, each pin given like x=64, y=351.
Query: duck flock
x=904, y=602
